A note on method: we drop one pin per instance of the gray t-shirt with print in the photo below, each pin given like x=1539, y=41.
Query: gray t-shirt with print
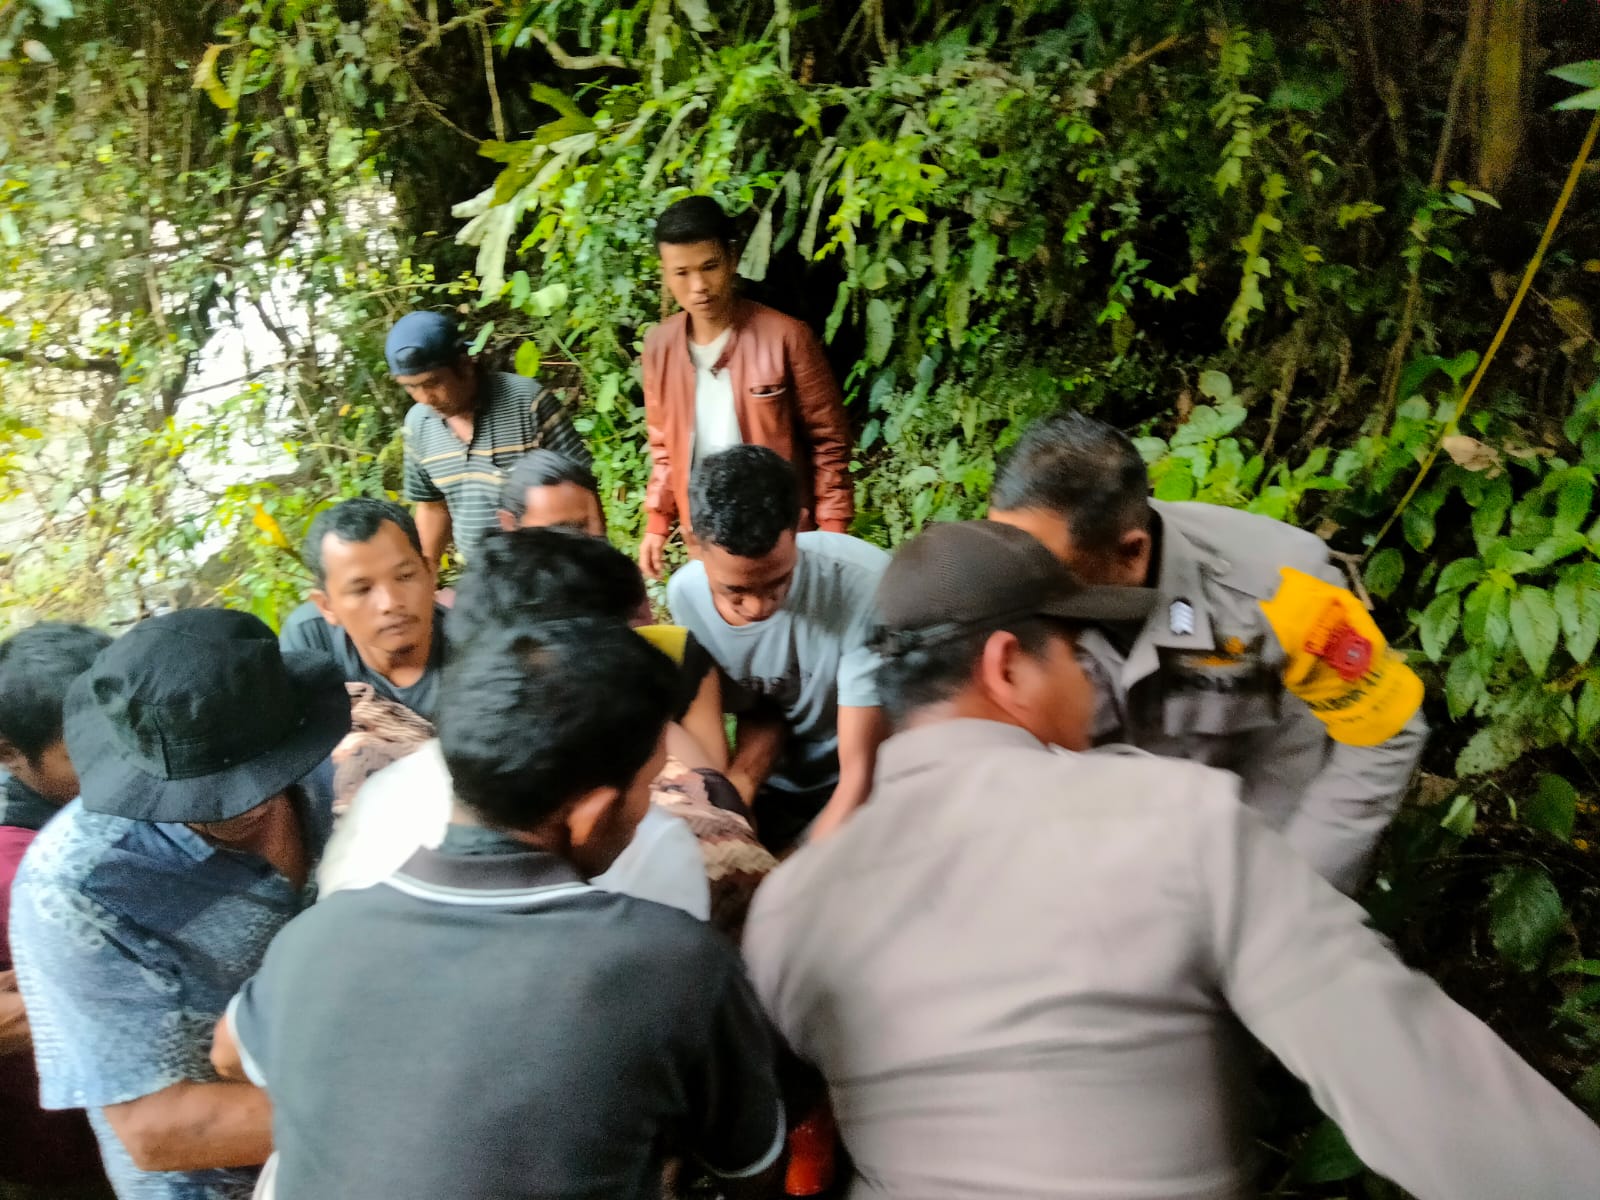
x=807, y=659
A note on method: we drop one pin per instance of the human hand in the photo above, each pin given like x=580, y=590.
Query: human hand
x=652, y=554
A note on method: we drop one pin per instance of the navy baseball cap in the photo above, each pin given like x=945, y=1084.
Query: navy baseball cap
x=422, y=341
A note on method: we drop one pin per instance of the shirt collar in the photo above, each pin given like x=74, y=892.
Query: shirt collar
x=23, y=808
x=935, y=745
x=1181, y=619
x=479, y=867
x=742, y=309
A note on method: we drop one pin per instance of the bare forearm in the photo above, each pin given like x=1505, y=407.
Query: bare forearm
x=861, y=731
x=195, y=1127
x=758, y=745
x=433, y=530
x=704, y=723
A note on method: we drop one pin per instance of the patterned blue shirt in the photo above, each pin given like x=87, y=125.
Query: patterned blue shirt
x=130, y=938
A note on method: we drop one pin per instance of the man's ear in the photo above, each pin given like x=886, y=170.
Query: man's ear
x=1133, y=553
x=320, y=599
x=997, y=669
x=590, y=812
x=507, y=522
x=10, y=757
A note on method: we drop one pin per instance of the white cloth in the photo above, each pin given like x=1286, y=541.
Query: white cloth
x=407, y=805
x=716, y=421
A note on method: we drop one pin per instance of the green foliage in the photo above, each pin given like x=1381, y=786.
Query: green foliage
x=1221, y=227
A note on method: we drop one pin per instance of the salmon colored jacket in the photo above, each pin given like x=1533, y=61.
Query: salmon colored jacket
x=786, y=399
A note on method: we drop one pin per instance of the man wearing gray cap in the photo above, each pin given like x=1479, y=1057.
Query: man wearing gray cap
x=1023, y=968
x=467, y=427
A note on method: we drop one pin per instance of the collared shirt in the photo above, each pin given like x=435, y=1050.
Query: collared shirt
x=306, y=630
x=407, y=805
x=486, y=1024
x=1203, y=680
x=1021, y=972
x=130, y=937
x=514, y=415
x=39, y=1149
x=808, y=659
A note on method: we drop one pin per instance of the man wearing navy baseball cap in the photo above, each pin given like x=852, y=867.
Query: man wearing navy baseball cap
x=467, y=427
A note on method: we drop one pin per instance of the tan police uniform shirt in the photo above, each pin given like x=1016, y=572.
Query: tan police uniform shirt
x=1023, y=972
x=1204, y=682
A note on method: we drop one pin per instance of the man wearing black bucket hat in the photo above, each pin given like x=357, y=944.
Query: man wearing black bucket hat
x=203, y=805
x=1023, y=971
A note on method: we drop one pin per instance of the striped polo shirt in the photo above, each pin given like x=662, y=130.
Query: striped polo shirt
x=514, y=415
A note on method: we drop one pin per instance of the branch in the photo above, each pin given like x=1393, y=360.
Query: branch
x=63, y=362
x=497, y=116
x=576, y=62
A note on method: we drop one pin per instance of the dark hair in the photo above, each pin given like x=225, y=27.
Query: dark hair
x=542, y=574
x=695, y=219
x=356, y=520
x=36, y=668
x=920, y=675
x=537, y=713
x=543, y=468
x=1081, y=468
x=742, y=499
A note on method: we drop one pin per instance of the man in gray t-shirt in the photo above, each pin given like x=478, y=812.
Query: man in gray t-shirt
x=787, y=616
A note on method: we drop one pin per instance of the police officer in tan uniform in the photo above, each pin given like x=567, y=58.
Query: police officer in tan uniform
x=1218, y=673
x=1023, y=966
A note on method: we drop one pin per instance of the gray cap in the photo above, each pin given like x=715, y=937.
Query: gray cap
x=960, y=575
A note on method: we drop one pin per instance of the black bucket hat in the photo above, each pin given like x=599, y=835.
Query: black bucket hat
x=197, y=716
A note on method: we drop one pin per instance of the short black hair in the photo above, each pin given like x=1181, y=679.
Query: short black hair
x=695, y=219
x=915, y=676
x=37, y=666
x=1083, y=469
x=543, y=468
x=536, y=713
x=355, y=520
x=542, y=574
x=743, y=499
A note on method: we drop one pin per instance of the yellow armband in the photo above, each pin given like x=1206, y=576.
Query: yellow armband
x=1338, y=661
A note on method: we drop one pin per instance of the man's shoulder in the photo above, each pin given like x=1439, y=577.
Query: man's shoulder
x=1244, y=551
x=416, y=418
x=851, y=557
x=305, y=629
x=72, y=850
x=688, y=583
x=665, y=335
x=766, y=321
x=506, y=388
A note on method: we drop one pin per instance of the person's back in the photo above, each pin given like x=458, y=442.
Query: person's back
x=493, y=1045
x=487, y=1023
x=980, y=919
x=1023, y=971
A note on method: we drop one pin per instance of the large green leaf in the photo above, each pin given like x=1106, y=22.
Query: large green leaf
x=1490, y=749
x=1385, y=571
x=1325, y=1156
x=1459, y=574
x=1585, y=73
x=1553, y=807
x=1535, y=627
x=1577, y=603
x=1588, y=709
x=1438, y=624
x=1463, y=685
x=1525, y=914
x=880, y=330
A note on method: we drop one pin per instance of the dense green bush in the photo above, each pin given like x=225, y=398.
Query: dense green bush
x=1271, y=240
